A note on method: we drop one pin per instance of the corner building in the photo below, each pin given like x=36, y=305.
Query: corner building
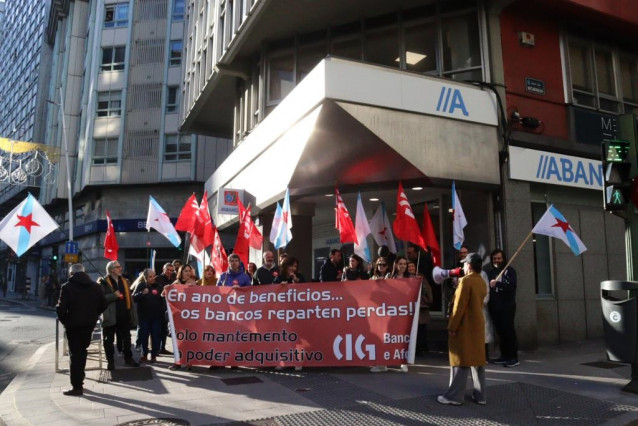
x=360, y=95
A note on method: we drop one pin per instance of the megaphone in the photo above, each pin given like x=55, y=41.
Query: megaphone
x=439, y=275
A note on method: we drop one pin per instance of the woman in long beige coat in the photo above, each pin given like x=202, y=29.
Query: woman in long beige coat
x=466, y=328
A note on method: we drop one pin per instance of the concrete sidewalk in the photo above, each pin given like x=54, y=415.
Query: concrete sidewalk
x=567, y=384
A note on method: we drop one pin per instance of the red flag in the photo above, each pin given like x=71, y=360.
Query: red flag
x=243, y=233
x=343, y=222
x=247, y=235
x=256, y=239
x=429, y=237
x=110, y=243
x=188, y=217
x=204, y=225
x=218, y=255
x=405, y=226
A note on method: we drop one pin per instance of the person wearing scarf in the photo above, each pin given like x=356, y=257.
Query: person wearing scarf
x=120, y=315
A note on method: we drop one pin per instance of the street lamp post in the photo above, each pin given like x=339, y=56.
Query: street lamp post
x=66, y=159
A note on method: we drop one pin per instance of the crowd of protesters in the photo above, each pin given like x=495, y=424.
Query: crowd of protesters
x=141, y=304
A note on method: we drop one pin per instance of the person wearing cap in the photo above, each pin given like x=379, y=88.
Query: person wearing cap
x=81, y=303
x=466, y=328
x=502, y=308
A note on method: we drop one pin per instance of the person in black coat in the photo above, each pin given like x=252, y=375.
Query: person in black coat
x=332, y=268
x=81, y=303
x=150, y=312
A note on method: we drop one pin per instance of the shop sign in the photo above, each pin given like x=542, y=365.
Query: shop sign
x=228, y=200
x=556, y=169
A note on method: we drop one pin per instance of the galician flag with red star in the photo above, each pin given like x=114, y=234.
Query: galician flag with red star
x=554, y=224
x=25, y=225
x=158, y=219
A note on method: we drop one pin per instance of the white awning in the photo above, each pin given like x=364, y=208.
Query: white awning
x=350, y=124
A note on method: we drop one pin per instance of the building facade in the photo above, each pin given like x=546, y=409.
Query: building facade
x=570, y=70
x=364, y=95
x=116, y=75
x=25, y=64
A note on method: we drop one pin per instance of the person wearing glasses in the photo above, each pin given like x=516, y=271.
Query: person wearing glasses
x=380, y=269
x=120, y=315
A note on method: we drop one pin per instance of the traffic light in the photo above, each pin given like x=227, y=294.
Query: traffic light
x=616, y=174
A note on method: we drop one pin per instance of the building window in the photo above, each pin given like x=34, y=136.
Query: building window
x=116, y=15
x=602, y=77
x=175, y=55
x=178, y=10
x=542, y=255
x=177, y=147
x=109, y=104
x=105, y=151
x=172, y=100
x=281, y=78
x=113, y=58
x=629, y=79
x=461, y=47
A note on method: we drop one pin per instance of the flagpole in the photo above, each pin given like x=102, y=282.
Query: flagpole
x=498, y=278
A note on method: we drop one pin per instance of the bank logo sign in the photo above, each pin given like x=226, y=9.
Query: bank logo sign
x=450, y=100
x=556, y=169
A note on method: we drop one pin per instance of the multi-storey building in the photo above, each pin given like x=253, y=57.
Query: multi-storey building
x=570, y=68
x=25, y=61
x=363, y=95
x=116, y=75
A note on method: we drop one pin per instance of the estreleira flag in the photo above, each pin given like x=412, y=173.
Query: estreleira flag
x=276, y=223
x=218, y=256
x=25, y=225
x=247, y=235
x=343, y=222
x=381, y=229
x=458, y=219
x=405, y=225
x=188, y=217
x=554, y=224
x=158, y=219
x=362, y=229
x=110, y=242
x=429, y=237
x=282, y=224
x=204, y=223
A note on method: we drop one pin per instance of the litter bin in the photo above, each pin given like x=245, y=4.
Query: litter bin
x=620, y=313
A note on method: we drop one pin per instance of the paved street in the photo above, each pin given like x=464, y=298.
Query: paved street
x=23, y=329
x=568, y=384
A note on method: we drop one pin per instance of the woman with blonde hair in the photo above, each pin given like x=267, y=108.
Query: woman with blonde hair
x=209, y=278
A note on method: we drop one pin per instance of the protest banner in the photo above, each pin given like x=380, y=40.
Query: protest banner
x=358, y=323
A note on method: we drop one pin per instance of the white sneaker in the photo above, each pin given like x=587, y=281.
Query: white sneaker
x=379, y=369
x=443, y=400
x=404, y=368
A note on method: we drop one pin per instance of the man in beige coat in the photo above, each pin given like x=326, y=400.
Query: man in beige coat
x=466, y=328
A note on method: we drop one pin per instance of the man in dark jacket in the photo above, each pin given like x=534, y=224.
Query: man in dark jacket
x=332, y=268
x=502, y=306
x=267, y=272
x=81, y=303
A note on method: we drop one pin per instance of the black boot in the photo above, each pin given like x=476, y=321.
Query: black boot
x=110, y=365
x=73, y=392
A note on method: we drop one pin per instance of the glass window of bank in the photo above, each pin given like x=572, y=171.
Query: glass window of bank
x=440, y=39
